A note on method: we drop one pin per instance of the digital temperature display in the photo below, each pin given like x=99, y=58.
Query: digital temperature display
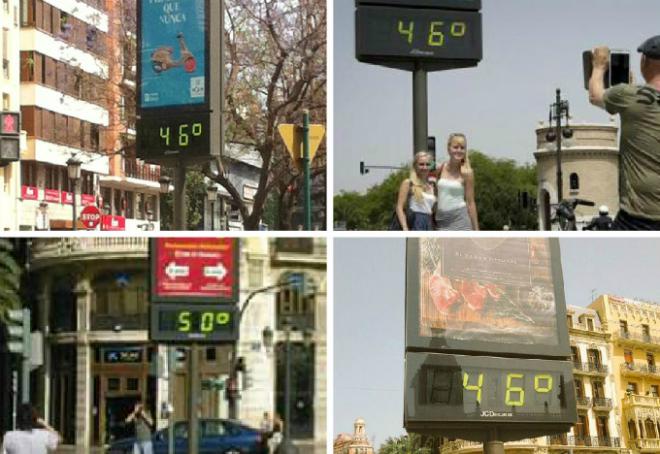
x=458, y=388
x=193, y=323
x=400, y=37
x=182, y=135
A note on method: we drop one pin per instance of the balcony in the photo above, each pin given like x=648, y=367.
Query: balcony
x=135, y=169
x=601, y=403
x=589, y=368
x=640, y=369
x=651, y=444
x=584, y=440
x=636, y=338
x=463, y=446
x=56, y=251
x=636, y=400
x=583, y=402
x=589, y=329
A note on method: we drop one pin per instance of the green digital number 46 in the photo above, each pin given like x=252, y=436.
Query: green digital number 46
x=436, y=36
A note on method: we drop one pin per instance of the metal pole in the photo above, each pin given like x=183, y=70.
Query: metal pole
x=73, y=218
x=171, y=367
x=288, y=447
x=232, y=409
x=27, y=349
x=306, y=166
x=193, y=404
x=212, y=216
x=560, y=190
x=180, y=214
x=420, y=109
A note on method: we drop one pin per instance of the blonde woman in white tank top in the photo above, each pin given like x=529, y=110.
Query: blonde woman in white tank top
x=419, y=193
x=456, y=207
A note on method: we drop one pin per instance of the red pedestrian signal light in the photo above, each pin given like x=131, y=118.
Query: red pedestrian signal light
x=10, y=123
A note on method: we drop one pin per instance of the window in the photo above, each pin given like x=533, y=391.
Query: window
x=579, y=389
x=28, y=173
x=653, y=391
x=119, y=298
x=5, y=101
x=296, y=302
x=597, y=389
x=646, y=333
x=63, y=390
x=649, y=425
x=601, y=427
x=631, y=388
x=650, y=361
x=211, y=354
x=574, y=182
x=575, y=353
x=590, y=324
x=623, y=328
x=296, y=245
x=301, y=397
x=628, y=357
x=581, y=429
x=132, y=384
x=593, y=356
x=256, y=274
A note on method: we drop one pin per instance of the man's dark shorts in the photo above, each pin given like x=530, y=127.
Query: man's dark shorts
x=626, y=221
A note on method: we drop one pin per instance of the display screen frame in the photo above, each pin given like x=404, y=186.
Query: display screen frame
x=417, y=341
x=167, y=109
x=158, y=333
x=467, y=5
x=419, y=417
x=372, y=47
x=199, y=151
x=155, y=274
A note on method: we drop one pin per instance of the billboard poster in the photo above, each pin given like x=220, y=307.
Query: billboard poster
x=199, y=270
x=173, y=50
x=486, y=294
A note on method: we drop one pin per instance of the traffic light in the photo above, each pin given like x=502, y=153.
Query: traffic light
x=10, y=132
x=430, y=145
x=363, y=168
x=19, y=331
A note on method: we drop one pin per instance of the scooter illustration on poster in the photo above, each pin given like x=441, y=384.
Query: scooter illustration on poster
x=162, y=58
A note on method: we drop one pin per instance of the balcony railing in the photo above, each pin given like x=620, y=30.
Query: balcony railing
x=108, y=322
x=58, y=248
x=639, y=336
x=602, y=402
x=650, y=369
x=584, y=327
x=648, y=443
x=642, y=401
x=584, y=440
x=583, y=401
x=135, y=169
x=590, y=367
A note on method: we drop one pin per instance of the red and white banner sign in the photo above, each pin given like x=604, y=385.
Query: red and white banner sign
x=67, y=198
x=87, y=199
x=113, y=223
x=194, y=269
x=52, y=195
x=90, y=216
x=29, y=193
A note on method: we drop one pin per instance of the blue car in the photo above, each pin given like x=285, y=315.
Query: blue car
x=217, y=436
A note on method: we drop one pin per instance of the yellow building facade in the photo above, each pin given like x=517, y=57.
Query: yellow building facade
x=635, y=329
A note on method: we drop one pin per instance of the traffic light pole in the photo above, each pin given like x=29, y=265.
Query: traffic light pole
x=25, y=357
x=560, y=183
x=420, y=109
x=171, y=359
x=193, y=403
x=306, y=168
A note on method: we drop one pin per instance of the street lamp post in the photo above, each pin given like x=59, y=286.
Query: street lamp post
x=73, y=167
x=558, y=110
x=212, y=194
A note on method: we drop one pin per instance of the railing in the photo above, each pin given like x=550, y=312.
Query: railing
x=135, y=169
x=648, y=443
x=584, y=327
x=583, y=401
x=602, y=402
x=642, y=368
x=584, y=440
x=48, y=248
x=101, y=322
x=639, y=336
x=455, y=445
x=590, y=367
x=645, y=401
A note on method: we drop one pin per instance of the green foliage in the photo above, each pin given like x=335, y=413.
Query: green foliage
x=195, y=197
x=10, y=277
x=407, y=444
x=498, y=185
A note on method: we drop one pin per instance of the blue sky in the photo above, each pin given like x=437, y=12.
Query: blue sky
x=369, y=315
x=530, y=49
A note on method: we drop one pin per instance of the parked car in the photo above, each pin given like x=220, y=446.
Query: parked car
x=217, y=436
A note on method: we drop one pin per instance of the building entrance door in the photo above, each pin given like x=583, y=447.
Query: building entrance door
x=116, y=411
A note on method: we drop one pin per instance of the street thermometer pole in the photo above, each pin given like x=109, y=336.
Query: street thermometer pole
x=420, y=109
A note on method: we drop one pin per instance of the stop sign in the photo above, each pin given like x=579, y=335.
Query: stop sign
x=90, y=216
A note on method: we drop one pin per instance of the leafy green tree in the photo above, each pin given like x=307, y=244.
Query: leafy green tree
x=407, y=444
x=195, y=197
x=10, y=277
x=499, y=188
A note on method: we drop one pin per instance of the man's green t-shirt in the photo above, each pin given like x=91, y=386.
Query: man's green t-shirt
x=639, y=186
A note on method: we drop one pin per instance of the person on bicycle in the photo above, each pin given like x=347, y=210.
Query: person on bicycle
x=639, y=108
x=601, y=222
